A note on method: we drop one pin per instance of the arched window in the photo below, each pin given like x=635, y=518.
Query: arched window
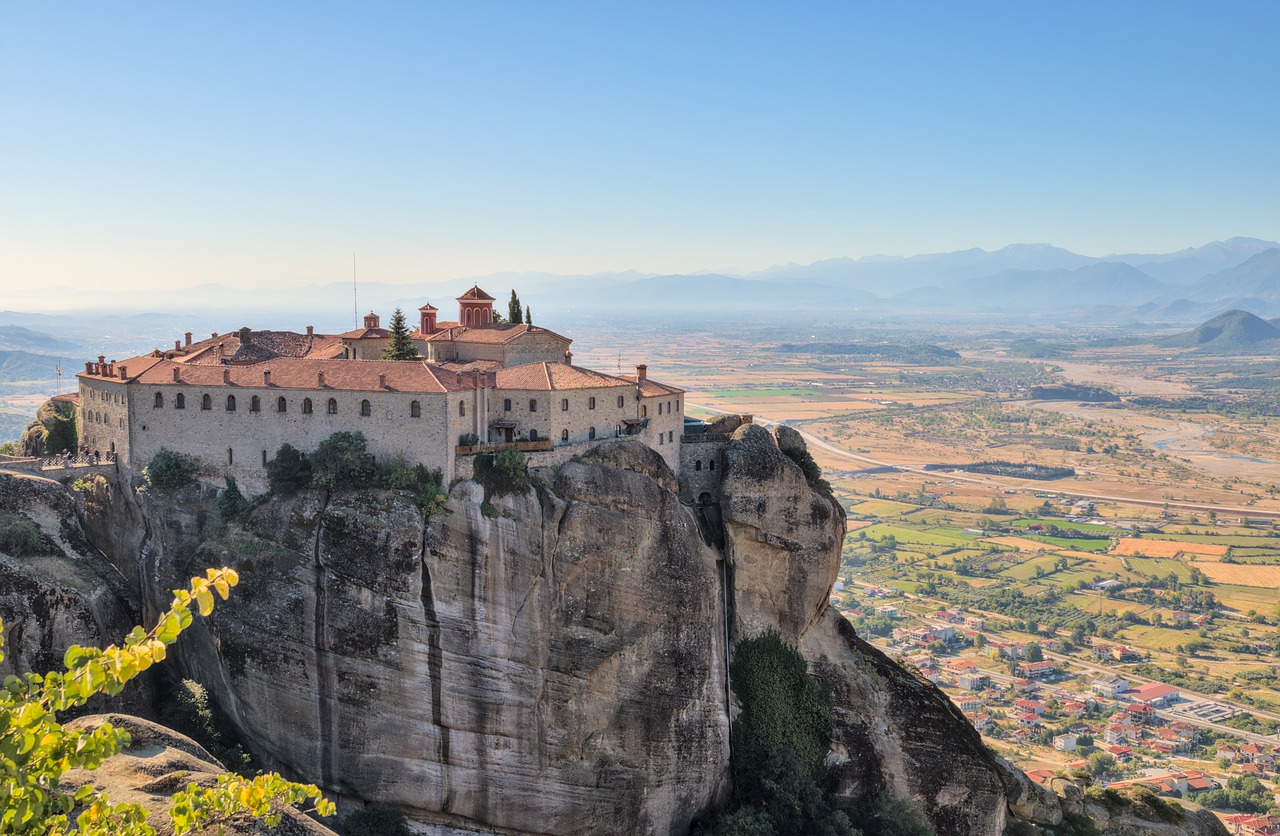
x=533, y=405
x=564, y=404
x=533, y=435
x=506, y=404
x=366, y=409
x=668, y=407
x=591, y=433
x=591, y=403
x=677, y=403
x=711, y=465
x=659, y=407
x=281, y=404
x=462, y=409
x=179, y=401
x=697, y=465
x=644, y=410
x=255, y=404
x=231, y=403
x=264, y=458
x=415, y=410
x=206, y=402
x=333, y=406
x=306, y=406
x=564, y=435
x=159, y=401
x=231, y=456
x=622, y=402
x=659, y=438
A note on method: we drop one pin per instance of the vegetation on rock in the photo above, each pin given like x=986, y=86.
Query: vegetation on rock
x=36, y=750
x=19, y=536
x=502, y=473
x=376, y=820
x=170, y=470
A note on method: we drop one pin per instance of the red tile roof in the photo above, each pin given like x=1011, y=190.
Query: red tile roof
x=555, y=376
x=366, y=334
x=486, y=334
x=475, y=293
x=652, y=388
x=304, y=373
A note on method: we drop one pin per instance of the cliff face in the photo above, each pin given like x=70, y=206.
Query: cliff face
x=557, y=666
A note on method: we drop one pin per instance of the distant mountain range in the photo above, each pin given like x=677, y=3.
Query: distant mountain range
x=1186, y=286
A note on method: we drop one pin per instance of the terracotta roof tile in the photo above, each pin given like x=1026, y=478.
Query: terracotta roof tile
x=262, y=345
x=487, y=334
x=544, y=377
x=475, y=293
x=366, y=334
x=304, y=373
x=653, y=389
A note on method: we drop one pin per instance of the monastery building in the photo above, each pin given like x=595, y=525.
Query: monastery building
x=233, y=399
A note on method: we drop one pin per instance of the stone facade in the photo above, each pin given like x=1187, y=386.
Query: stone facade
x=233, y=403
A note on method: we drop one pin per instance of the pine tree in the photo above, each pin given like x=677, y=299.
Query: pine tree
x=515, y=311
x=400, y=347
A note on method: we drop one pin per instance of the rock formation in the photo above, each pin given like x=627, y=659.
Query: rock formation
x=551, y=661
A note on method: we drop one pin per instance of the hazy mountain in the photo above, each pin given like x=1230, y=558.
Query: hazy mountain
x=1257, y=278
x=1186, y=266
x=1234, y=332
x=17, y=337
x=707, y=294
x=888, y=274
x=1105, y=283
x=24, y=365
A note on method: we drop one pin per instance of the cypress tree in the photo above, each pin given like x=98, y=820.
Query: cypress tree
x=400, y=347
x=528, y=317
x=515, y=311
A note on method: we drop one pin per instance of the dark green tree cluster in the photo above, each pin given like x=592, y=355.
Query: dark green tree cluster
x=502, y=473
x=1242, y=792
x=170, y=470
x=231, y=503
x=780, y=743
x=376, y=820
x=185, y=707
x=400, y=347
x=515, y=311
x=343, y=462
x=19, y=536
x=63, y=435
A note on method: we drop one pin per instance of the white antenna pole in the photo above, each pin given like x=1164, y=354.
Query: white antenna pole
x=355, y=303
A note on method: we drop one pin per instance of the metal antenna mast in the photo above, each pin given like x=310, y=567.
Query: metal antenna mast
x=355, y=303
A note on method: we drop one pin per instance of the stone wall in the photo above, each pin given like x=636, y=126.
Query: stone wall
x=558, y=411
x=104, y=416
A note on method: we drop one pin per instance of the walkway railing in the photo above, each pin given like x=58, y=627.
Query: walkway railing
x=498, y=447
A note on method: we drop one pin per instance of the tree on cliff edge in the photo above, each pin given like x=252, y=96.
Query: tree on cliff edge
x=400, y=347
x=515, y=311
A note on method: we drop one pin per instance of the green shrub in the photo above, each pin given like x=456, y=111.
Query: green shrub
x=342, y=462
x=170, y=470
x=185, y=707
x=19, y=536
x=10, y=448
x=468, y=440
x=231, y=504
x=812, y=472
x=889, y=816
x=376, y=820
x=289, y=471
x=427, y=486
x=62, y=435
x=503, y=473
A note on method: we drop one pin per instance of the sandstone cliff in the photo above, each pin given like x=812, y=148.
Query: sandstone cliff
x=551, y=661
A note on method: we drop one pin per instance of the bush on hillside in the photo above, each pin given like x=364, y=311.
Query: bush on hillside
x=186, y=709
x=342, y=461
x=289, y=471
x=19, y=536
x=503, y=473
x=376, y=820
x=170, y=470
x=231, y=503
x=427, y=486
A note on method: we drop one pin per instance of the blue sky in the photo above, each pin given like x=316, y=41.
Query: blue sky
x=262, y=143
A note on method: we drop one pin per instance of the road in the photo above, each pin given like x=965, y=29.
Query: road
x=839, y=452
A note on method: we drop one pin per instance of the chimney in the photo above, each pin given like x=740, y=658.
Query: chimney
x=568, y=358
x=266, y=377
x=642, y=372
x=320, y=378
x=311, y=330
x=382, y=381
x=176, y=378
x=124, y=372
x=214, y=335
x=188, y=336
x=102, y=358
x=88, y=367
x=246, y=336
x=177, y=345
x=226, y=375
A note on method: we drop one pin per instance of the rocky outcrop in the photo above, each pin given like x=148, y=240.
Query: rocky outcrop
x=55, y=588
x=552, y=661
x=52, y=431
x=159, y=762
x=556, y=668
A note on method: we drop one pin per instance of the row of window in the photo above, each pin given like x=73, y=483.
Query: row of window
x=591, y=404
x=92, y=417
x=711, y=464
x=109, y=397
x=282, y=405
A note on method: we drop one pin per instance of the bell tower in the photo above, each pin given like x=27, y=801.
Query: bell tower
x=475, y=308
x=427, y=319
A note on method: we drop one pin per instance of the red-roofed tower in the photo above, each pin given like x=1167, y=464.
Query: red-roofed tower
x=427, y=314
x=475, y=308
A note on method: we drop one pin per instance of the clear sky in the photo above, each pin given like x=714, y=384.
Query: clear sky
x=262, y=143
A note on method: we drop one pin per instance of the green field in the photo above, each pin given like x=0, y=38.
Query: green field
x=1160, y=567
x=912, y=535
